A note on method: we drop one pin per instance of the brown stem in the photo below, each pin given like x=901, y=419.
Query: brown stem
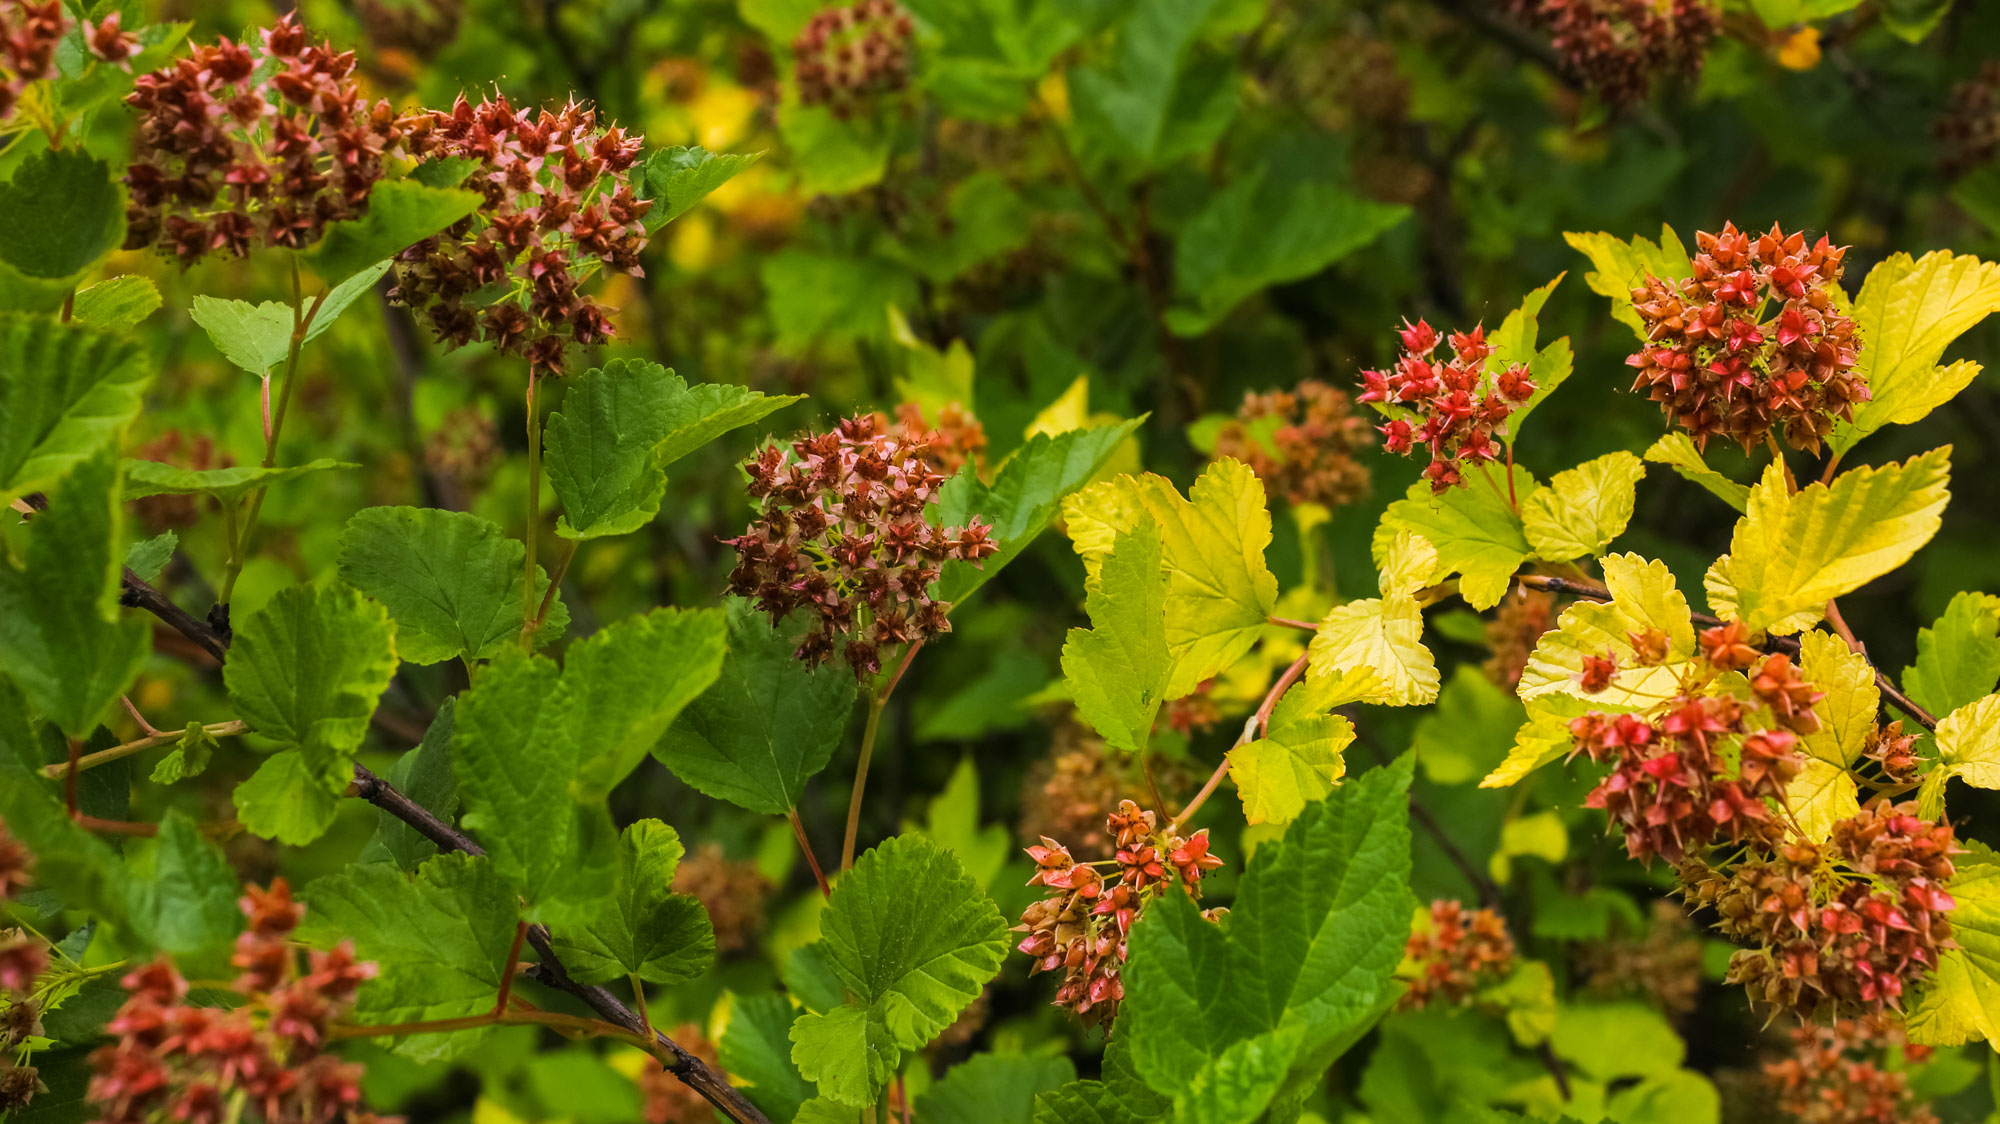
x=145, y=727
x=1840, y=628
x=555, y=582
x=1259, y=722
x=805, y=845
x=1288, y=622
x=909, y=654
x=513, y=964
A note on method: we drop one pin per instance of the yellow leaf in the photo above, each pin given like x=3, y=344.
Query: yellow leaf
x=1543, y=738
x=1677, y=451
x=1623, y=266
x=1821, y=795
x=1962, y=1001
x=1792, y=553
x=1219, y=591
x=1582, y=509
x=1408, y=565
x=1476, y=533
x=1070, y=410
x=1297, y=761
x=1824, y=793
x=1385, y=636
x=1643, y=597
x=1968, y=743
x=1907, y=313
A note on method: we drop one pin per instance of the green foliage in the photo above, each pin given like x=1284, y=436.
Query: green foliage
x=678, y=178
x=66, y=392
x=1118, y=670
x=450, y=580
x=64, y=214
x=400, y=213
x=641, y=928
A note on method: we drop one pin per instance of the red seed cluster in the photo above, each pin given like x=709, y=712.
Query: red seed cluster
x=852, y=52
x=1846, y=927
x=1195, y=712
x=1753, y=343
x=1462, y=951
x=557, y=208
x=240, y=146
x=1082, y=925
x=1968, y=130
x=29, y=33
x=732, y=891
x=17, y=865
x=23, y=958
x=1893, y=752
x=1303, y=444
x=1699, y=766
x=1454, y=405
x=1617, y=48
x=958, y=439
x=1854, y=1071
x=842, y=535
x=172, y=1061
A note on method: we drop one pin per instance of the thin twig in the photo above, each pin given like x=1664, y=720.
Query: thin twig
x=104, y=756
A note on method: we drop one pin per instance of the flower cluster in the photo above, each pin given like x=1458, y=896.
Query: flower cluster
x=1843, y=1074
x=1893, y=752
x=1195, y=712
x=732, y=891
x=1753, y=343
x=1617, y=47
x=463, y=450
x=1302, y=443
x=1845, y=926
x=1065, y=793
x=1672, y=788
x=1082, y=925
x=852, y=52
x=1456, y=404
x=842, y=534
x=1513, y=632
x=1458, y=952
x=556, y=208
x=239, y=146
x=29, y=32
x=17, y=865
x=1968, y=130
x=176, y=447
x=958, y=439
x=1661, y=966
x=669, y=1100
x=23, y=957
x=173, y=1061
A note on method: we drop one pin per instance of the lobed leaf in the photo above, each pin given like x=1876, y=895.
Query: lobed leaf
x=228, y=485
x=1824, y=793
x=1676, y=451
x=1119, y=669
x=642, y=927
x=1907, y=313
x=1473, y=527
x=677, y=178
x=66, y=392
x=1958, y=657
x=449, y=579
x=1383, y=636
x=1582, y=509
x=1622, y=266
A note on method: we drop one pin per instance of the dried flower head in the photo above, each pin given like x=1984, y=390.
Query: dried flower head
x=1456, y=954
x=842, y=534
x=1195, y=711
x=1455, y=405
x=733, y=891
x=1618, y=48
x=1893, y=752
x=1968, y=129
x=1753, y=344
x=1850, y=1072
x=29, y=33
x=23, y=956
x=1302, y=443
x=1513, y=632
x=557, y=208
x=17, y=865
x=1659, y=965
x=240, y=146
x=954, y=442
x=850, y=53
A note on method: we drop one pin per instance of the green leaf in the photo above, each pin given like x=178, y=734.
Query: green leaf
x=815, y=297
x=147, y=557
x=450, y=580
x=833, y=156
x=1623, y=266
x=905, y=983
x=1219, y=591
x=117, y=305
x=1476, y=533
x=189, y=757
x=284, y=801
x=1119, y=668
x=515, y=761
x=1676, y=450
x=1913, y=20
x=227, y=485
x=71, y=862
x=258, y=337
x=767, y=724
x=1608, y=1041
x=1266, y=227
x=66, y=391
x=1308, y=949
x=630, y=681
x=620, y=426
x=1791, y=553
x=183, y=893
x=756, y=1047
x=400, y=214
x=642, y=927
x=1470, y=732
x=1237, y=1085
x=1958, y=658
x=425, y=775
x=1514, y=342
x=1961, y=1003
x=1907, y=313
x=677, y=178
x=1127, y=106
x=439, y=940
x=993, y=1089
x=1028, y=489
x=62, y=638
x=64, y=212
x=306, y=671
x=1583, y=508
x=1118, y=1097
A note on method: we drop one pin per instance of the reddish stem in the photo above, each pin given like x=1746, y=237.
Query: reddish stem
x=805, y=845
x=513, y=964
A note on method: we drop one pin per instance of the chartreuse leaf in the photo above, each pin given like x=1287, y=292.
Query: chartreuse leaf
x=1543, y=738
x=306, y=671
x=1028, y=488
x=1119, y=668
x=439, y=940
x=64, y=212
x=620, y=426
x=1824, y=793
x=767, y=724
x=1791, y=553
x=756, y=1048
x=1907, y=313
x=400, y=214
x=905, y=983
x=62, y=639
x=642, y=928
x=1383, y=636
x=1644, y=597
x=69, y=859
x=1304, y=960
x=228, y=485
x=1676, y=450
x=147, y=557
x=1582, y=509
x=449, y=579
x=1298, y=760
x=1968, y=747
x=189, y=757
x=1408, y=563
x=1476, y=533
x=1962, y=1001
x=1958, y=658
x=1623, y=266
x=182, y=896
x=677, y=178
x=1514, y=342
x=66, y=391
x=993, y=1089
x=1219, y=591
x=118, y=304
